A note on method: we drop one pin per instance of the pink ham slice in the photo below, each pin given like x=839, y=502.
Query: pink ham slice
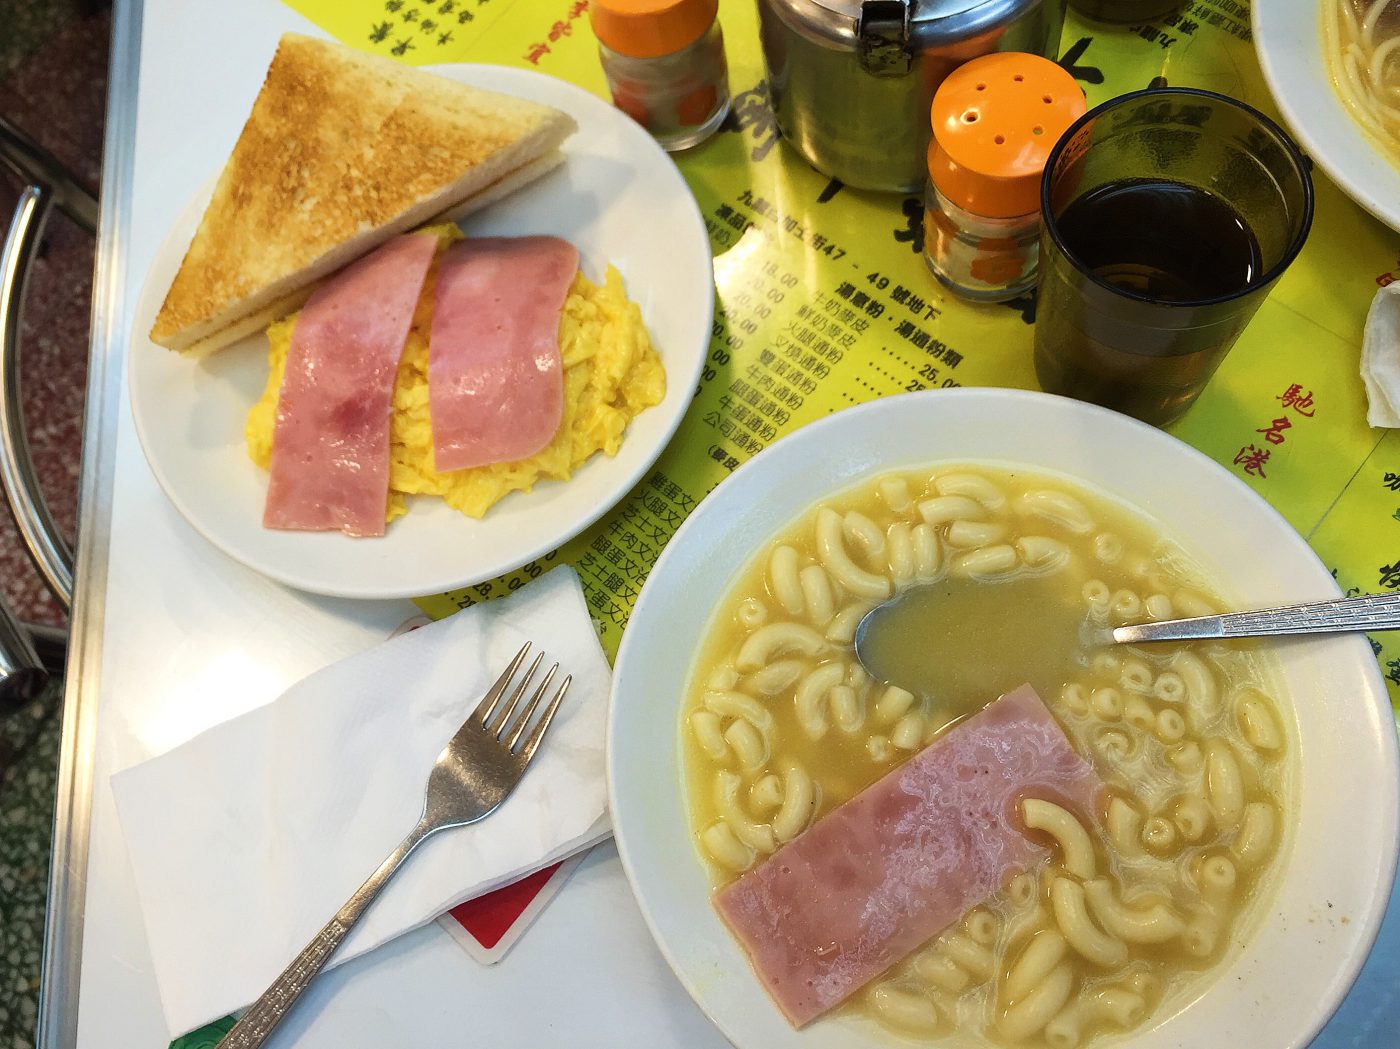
x=330, y=448
x=906, y=857
x=495, y=382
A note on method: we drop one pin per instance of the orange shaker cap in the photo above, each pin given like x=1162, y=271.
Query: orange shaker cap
x=651, y=28
x=995, y=120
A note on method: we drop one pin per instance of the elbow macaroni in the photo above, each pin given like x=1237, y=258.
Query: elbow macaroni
x=894, y=491
x=1158, y=607
x=798, y=804
x=748, y=744
x=756, y=835
x=1072, y=918
x=1042, y=553
x=812, y=695
x=899, y=541
x=1124, y=828
x=1224, y=783
x=928, y=552
x=783, y=567
x=973, y=487
x=842, y=628
x=831, y=550
x=706, y=726
x=775, y=639
x=972, y=535
x=988, y=562
x=1029, y=1015
x=1038, y=959
x=1257, y=722
x=938, y=969
x=1059, y=509
x=1255, y=839
x=904, y=1009
x=1193, y=749
x=1118, y=1006
x=1202, y=692
x=945, y=509
x=775, y=677
x=1076, y=850
x=1156, y=923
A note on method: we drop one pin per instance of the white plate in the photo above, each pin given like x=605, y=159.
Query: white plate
x=621, y=200
x=1280, y=988
x=1288, y=36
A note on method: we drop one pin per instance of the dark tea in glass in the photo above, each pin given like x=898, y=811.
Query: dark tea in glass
x=1167, y=216
x=1125, y=12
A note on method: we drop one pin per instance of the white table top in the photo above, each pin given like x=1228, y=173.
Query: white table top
x=188, y=638
x=171, y=637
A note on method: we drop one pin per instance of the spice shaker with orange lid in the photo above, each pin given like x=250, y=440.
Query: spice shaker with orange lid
x=851, y=80
x=664, y=63
x=995, y=121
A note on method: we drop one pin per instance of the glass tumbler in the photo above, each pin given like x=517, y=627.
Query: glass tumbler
x=1125, y=12
x=1167, y=216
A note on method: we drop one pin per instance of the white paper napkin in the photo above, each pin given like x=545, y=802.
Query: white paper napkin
x=247, y=839
x=1380, y=358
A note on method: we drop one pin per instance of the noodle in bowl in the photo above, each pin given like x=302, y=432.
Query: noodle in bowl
x=1333, y=68
x=1362, y=42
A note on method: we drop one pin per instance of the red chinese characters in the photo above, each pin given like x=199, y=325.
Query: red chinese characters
x=1252, y=458
x=558, y=29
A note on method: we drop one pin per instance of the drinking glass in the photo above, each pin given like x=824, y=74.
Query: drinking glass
x=1130, y=312
x=1125, y=12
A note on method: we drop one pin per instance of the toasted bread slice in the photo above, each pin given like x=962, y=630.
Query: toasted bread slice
x=279, y=308
x=342, y=151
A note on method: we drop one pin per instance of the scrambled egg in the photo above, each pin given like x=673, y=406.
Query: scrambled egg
x=611, y=374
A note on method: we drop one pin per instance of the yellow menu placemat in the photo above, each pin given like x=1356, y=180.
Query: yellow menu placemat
x=823, y=300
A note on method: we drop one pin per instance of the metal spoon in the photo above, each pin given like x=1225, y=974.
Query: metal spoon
x=1371, y=612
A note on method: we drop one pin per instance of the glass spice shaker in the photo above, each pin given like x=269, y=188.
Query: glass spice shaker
x=664, y=63
x=995, y=120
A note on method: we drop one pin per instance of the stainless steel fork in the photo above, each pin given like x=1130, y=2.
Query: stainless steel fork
x=475, y=772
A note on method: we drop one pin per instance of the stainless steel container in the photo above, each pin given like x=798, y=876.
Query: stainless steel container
x=852, y=80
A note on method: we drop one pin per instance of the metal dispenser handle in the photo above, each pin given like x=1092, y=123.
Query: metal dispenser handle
x=882, y=36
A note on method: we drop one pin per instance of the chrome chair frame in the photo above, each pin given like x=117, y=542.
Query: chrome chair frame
x=30, y=652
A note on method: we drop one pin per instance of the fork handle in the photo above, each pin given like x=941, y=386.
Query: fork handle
x=1370, y=612
x=263, y=1016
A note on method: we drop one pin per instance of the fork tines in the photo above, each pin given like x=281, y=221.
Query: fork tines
x=496, y=718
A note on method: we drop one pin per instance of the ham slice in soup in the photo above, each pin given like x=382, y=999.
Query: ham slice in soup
x=902, y=860
x=495, y=381
x=330, y=448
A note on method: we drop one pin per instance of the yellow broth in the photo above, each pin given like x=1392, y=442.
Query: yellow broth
x=783, y=725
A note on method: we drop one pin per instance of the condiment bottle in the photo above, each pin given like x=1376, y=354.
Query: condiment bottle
x=995, y=120
x=664, y=63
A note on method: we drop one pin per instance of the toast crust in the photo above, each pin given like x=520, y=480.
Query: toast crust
x=279, y=308
x=341, y=151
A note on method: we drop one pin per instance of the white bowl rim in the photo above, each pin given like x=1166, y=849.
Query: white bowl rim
x=1367, y=921
x=1327, y=137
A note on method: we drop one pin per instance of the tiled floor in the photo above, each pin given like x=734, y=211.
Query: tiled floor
x=53, y=63
x=29, y=739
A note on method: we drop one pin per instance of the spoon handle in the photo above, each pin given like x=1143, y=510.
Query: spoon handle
x=1371, y=612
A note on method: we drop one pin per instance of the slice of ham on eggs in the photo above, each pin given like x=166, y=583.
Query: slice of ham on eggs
x=495, y=379
x=330, y=448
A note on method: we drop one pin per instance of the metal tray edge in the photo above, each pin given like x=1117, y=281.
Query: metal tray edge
x=63, y=929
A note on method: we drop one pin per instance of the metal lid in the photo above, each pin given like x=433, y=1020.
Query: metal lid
x=857, y=25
